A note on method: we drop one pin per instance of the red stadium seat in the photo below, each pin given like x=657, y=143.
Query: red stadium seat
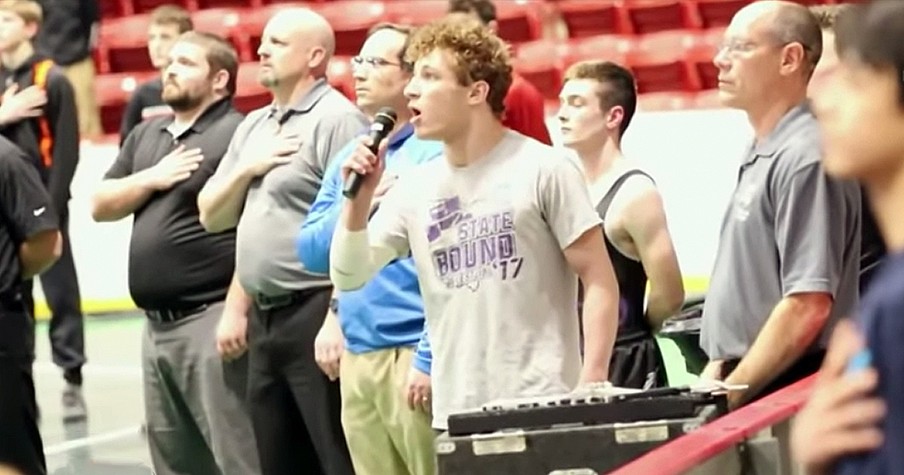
x=113, y=92
x=657, y=61
x=598, y=48
x=204, y=4
x=250, y=94
x=650, y=16
x=340, y=76
x=715, y=13
x=225, y=22
x=700, y=57
x=540, y=64
x=147, y=6
x=123, y=45
x=114, y=8
x=519, y=20
x=583, y=18
x=351, y=19
x=414, y=12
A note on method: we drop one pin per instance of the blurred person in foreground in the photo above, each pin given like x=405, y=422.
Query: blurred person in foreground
x=854, y=420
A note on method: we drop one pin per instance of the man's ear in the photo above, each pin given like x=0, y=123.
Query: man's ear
x=478, y=93
x=615, y=117
x=794, y=58
x=31, y=29
x=494, y=26
x=220, y=80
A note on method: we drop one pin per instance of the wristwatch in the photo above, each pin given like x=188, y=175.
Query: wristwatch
x=334, y=305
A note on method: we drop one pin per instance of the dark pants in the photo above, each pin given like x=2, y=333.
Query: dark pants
x=636, y=361
x=197, y=420
x=295, y=408
x=67, y=331
x=20, y=440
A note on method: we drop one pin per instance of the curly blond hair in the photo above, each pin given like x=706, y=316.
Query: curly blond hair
x=478, y=53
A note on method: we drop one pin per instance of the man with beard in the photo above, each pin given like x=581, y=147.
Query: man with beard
x=265, y=186
x=179, y=274
x=38, y=114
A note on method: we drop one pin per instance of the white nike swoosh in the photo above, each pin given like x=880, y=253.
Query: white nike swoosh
x=40, y=211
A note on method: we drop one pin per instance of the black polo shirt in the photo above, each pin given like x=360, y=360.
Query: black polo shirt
x=174, y=264
x=146, y=103
x=25, y=211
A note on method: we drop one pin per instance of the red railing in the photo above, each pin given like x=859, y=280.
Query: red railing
x=695, y=448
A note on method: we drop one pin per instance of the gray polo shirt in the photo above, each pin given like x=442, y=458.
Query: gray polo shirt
x=789, y=229
x=278, y=202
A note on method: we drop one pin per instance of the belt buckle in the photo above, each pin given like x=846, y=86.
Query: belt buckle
x=266, y=302
x=160, y=316
x=170, y=316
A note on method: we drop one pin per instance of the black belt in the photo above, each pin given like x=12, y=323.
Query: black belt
x=169, y=316
x=270, y=302
x=627, y=336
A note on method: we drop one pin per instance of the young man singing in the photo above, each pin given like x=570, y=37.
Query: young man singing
x=499, y=229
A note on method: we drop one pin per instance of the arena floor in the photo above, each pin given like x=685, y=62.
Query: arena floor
x=110, y=442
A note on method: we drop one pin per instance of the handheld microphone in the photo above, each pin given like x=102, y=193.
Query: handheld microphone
x=384, y=121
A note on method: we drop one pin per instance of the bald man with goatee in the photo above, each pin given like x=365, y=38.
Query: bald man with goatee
x=265, y=186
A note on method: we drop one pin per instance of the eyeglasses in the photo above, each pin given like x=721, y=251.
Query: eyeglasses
x=371, y=62
x=737, y=46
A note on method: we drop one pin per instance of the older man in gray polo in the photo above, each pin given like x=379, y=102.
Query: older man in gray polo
x=265, y=185
x=788, y=261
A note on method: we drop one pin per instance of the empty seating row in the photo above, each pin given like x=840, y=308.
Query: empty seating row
x=666, y=61
x=519, y=21
x=661, y=62
x=122, y=40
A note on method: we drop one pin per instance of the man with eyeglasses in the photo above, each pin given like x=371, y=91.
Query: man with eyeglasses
x=373, y=339
x=787, y=265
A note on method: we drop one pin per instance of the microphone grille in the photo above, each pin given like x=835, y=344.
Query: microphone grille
x=386, y=115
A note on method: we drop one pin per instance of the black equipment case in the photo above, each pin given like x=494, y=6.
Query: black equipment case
x=570, y=448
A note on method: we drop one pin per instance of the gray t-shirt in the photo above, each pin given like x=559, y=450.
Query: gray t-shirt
x=500, y=298
x=277, y=203
x=788, y=229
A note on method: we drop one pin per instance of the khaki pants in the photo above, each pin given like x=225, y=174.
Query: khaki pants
x=384, y=436
x=81, y=76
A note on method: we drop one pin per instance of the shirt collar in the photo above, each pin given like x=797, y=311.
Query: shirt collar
x=399, y=138
x=786, y=127
x=210, y=115
x=308, y=101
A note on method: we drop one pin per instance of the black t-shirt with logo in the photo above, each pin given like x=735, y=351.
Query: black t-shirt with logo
x=25, y=211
